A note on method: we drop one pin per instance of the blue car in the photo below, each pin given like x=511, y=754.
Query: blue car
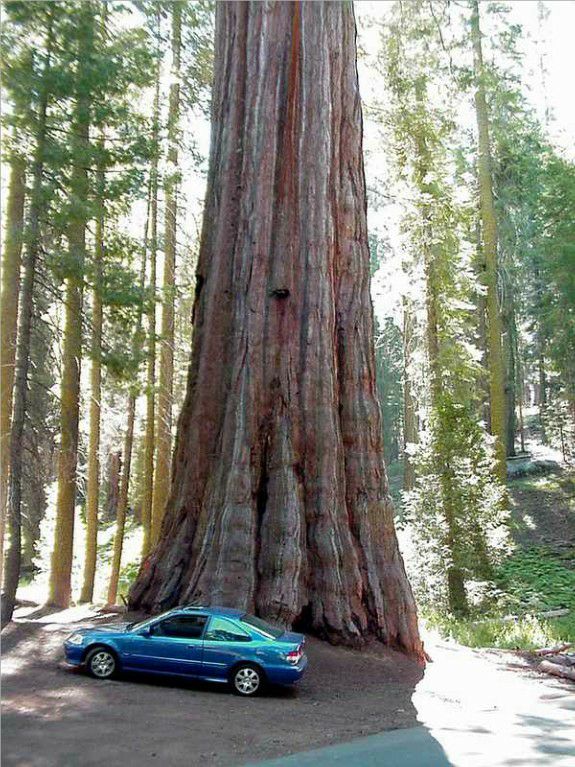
x=213, y=643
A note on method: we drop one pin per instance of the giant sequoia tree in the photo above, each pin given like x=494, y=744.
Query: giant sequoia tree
x=279, y=499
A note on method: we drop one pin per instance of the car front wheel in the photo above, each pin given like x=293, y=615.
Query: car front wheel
x=101, y=663
x=247, y=680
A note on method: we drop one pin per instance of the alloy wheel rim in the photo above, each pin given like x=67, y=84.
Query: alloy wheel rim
x=247, y=681
x=102, y=664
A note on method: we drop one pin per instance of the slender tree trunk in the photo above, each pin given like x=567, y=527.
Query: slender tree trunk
x=489, y=240
x=113, y=488
x=455, y=579
x=149, y=438
x=11, y=263
x=26, y=310
x=93, y=485
x=165, y=392
x=509, y=346
x=481, y=312
x=129, y=436
x=279, y=500
x=122, y=503
x=61, y=564
x=410, y=433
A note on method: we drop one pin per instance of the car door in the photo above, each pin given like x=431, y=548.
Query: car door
x=225, y=643
x=173, y=645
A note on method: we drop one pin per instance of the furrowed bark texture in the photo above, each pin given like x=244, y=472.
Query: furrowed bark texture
x=279, y=499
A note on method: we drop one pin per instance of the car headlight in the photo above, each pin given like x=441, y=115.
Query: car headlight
x=75, y=639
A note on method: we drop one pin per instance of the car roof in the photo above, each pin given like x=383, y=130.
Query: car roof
x=228, y=612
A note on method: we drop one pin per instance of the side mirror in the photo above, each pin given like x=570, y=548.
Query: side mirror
x=145, y=632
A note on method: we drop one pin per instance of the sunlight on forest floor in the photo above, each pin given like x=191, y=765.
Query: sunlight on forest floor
x=488, y=708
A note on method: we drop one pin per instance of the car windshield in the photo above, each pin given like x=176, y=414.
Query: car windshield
x=262, y=626
x=142, y=624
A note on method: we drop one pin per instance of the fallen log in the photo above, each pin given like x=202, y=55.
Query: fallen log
x=559, y=613
x=553, y=650
x=557, y=670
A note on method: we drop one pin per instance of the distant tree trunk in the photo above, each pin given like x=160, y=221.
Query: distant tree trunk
x=26, y=310
x=122, y=503
x=455, y=581
x=509, y=346
x=11, y=263
x=113, y=484
x=149, y=438
x=489, y=240
x=410, y=433
x=481, y=328
x=165, y=392
x=279, y=500
x=129, y=436
x=61, y=565
x=93, y=485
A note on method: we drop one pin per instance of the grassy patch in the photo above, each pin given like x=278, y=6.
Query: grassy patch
x=529, y=583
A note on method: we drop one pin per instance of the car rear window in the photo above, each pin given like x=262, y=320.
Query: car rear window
x=262, y=626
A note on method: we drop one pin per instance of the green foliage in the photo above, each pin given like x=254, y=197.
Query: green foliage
x=456, y=509
x=389, y=376
x=537, y=580
x=528, y=583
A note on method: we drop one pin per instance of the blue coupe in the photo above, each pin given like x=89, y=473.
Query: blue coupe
x=213, y=643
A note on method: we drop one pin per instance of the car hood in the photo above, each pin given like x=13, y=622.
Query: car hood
x=120, y=629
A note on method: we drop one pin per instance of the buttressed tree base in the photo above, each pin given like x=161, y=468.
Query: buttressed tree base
x=279, y=500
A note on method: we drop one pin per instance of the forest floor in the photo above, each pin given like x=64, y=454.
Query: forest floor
x=472, y=707
x=54, y=716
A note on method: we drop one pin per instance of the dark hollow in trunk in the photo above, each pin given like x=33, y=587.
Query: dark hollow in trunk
x=279, y=501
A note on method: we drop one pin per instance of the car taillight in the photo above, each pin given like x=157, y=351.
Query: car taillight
x=294, y=656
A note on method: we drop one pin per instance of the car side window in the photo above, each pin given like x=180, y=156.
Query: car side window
x=181, y=627
x=222, y=630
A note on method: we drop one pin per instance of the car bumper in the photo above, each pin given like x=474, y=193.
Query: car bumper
x=287, y=674
x=74, y=654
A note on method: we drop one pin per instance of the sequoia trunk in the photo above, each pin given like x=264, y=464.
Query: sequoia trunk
x=279, y=501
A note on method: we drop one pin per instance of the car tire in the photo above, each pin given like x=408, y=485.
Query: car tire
x=102, y=663
x=247, y=680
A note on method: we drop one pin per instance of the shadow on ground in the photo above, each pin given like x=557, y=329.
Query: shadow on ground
x=54, y=716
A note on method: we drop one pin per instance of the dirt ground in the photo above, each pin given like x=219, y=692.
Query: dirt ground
x=53, y=715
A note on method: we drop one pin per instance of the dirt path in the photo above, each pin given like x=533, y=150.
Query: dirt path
x=55, y=717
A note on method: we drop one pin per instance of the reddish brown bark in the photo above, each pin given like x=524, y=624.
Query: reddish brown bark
x=279, y=499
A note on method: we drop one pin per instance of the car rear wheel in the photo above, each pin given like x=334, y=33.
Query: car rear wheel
x=102, y=663
x=247, y=680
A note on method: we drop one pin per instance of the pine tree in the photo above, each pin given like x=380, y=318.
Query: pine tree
x=79, y=215
x=26, y=308
x=497, y=408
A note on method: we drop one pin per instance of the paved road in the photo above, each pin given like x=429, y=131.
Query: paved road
x=475, y=710
x=412, y=747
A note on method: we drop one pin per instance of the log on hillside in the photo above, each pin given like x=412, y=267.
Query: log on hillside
x=557, y=670
x=553, y=650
